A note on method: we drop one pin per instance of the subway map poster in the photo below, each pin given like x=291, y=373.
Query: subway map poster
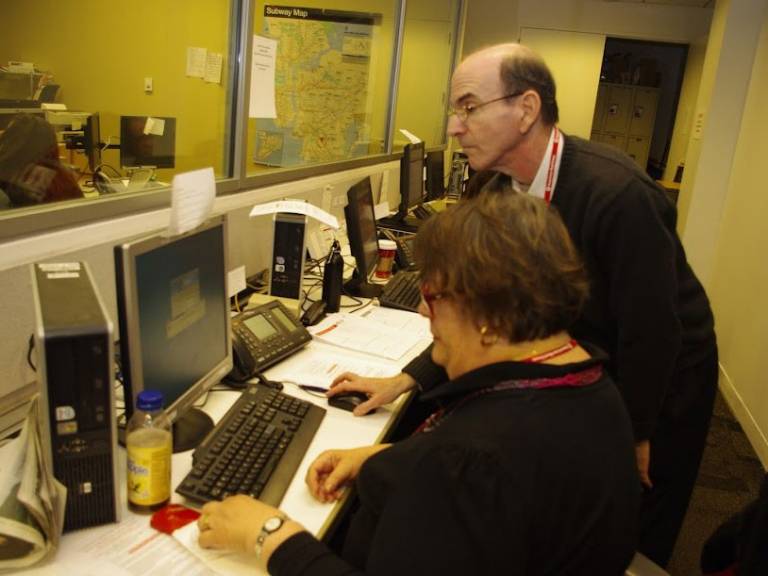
x=321, y=87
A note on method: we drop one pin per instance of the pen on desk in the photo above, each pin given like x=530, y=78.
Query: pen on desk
x=308, y=388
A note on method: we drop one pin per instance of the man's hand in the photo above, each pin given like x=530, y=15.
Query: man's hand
x=380, y=391
x=643, y=455
x=333, y=470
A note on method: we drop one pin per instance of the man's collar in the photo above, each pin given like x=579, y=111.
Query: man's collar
x=538, y=186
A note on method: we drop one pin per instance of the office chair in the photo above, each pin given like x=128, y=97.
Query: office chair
x=642, y=566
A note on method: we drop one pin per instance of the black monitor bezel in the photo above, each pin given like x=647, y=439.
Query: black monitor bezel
x=92, y=141
x=411, y=167
x=131, y=363
x=357, y=194
x=435, y=168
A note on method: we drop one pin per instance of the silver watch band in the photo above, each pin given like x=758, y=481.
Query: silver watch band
x=271, y=525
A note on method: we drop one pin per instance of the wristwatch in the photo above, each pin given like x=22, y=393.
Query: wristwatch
x=271, y=525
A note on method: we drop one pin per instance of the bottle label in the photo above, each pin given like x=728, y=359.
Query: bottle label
x=149, y=473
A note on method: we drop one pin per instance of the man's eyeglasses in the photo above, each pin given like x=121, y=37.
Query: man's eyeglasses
x=466, y=110
x=430, y=297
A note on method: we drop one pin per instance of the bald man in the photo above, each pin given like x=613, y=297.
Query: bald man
x=646, y=308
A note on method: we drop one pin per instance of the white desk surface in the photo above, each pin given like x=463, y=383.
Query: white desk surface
x=132, y=548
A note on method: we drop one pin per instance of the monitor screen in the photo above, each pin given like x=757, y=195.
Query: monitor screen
x=361, y=229
x=147, y=141
x=411, y=177
x=174, y=318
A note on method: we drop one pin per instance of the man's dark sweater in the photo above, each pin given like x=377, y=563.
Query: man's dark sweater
x=646, y=307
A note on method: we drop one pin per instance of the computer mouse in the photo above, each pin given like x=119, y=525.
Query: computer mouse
x=348, y=400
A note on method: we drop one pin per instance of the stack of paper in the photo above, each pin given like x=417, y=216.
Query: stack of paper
x=31, y=500
x=367, y=335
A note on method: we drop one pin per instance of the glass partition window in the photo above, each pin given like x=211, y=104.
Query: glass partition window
x=320, y=77
x=112, y=99
x=134, y=85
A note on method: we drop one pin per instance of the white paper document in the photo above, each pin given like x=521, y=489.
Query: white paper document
x=412, y=138
x=154, y=126
x=364, y=335
x=130, y=548
x=399, y=320
x=224, y=563
x=319, y=368
x=192, y=199
x=213, y=64
x=263, y=58
x=196, y=58
x=296, y=207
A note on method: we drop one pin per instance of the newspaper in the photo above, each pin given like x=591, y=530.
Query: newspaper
x=31, y=500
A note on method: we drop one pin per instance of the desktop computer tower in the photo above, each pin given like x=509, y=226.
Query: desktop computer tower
x=288, y=248
x=73, y=339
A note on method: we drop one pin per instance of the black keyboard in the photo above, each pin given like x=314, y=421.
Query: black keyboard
x=402, y=291
x=255, y=449
x=424, y=211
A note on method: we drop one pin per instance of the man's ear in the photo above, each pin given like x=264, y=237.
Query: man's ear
x=530, y=103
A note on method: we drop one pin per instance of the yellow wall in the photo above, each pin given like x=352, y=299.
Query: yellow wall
x=425, y=69
x=703, y=96
x=575, y=59
x=685, y=107
x=740, y=270
x=101, y=51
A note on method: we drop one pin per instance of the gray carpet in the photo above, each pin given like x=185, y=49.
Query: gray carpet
x=729, y=478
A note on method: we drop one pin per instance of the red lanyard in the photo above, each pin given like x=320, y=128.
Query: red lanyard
x=567, y=347
x=548, y=185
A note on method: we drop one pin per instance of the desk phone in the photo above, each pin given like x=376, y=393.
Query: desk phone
x=263, y=336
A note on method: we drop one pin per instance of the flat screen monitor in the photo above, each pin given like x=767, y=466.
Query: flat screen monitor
x=363, y=238
x=147, y=141
x=174, y=318
x=411, y=177
x=92, y=141
x=435, y=163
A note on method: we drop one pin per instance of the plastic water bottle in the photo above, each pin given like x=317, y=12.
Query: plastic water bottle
x=149, y=443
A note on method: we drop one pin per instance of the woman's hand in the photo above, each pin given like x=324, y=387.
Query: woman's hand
x=333, y=470
x=380, y=391
x=235, y=523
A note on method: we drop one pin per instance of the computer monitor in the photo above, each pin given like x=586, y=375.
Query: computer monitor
x=173, y=312
x=411, y=178
x=363, y=239
x=79, y=131
x=435, y=162
x=147, y=141
x=411, y=189
x=92, y=141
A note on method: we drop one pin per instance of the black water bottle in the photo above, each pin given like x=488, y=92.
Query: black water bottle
x=332, y=278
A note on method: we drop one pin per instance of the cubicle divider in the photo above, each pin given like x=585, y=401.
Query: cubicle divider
x=248, y=245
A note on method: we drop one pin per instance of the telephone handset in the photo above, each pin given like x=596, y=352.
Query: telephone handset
x=456, y=178
x=263, y=336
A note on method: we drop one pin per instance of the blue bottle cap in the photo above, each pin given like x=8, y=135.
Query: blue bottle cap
x=149, y=400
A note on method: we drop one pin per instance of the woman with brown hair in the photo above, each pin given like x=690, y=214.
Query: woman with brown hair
x=30, y=170
x=527, y=468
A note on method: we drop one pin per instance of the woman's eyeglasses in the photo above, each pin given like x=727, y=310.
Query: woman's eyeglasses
x=430, y=297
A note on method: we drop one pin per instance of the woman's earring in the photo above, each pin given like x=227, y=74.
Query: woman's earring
x=487, y=338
